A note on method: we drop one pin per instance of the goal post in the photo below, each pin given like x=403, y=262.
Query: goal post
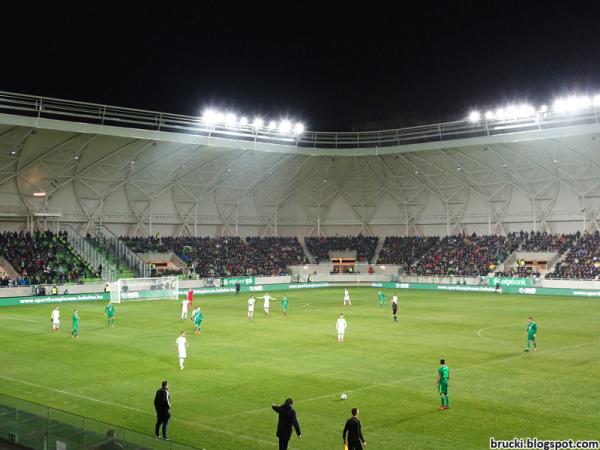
x=160, y=288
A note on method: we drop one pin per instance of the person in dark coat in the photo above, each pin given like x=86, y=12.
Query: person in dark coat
x=237, y=288
x=354, y=430
x=287, y=420
x=162, y=404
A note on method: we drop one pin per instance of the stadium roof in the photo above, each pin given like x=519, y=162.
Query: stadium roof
x=99, y=163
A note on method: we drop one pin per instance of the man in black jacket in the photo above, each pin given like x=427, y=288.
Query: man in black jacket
x=353, y=428
x=162, y=404
x=287, y=419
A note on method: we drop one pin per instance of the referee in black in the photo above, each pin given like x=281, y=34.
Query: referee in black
x=353, y=428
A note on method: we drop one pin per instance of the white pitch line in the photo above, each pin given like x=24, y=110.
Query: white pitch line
x=18, y=318
x=402, y=380
x=489, y=328
x=96, y=400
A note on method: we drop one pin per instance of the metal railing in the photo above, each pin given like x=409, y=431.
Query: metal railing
x=94, y=113
x=123, y=253
x=90, y=253
x=40, y=427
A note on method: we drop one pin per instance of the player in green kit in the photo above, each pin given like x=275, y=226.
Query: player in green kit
x=381, y=296
x=284, y=306
x=531, y=334
x=197, y=317
x=443, y=376
x=109, y=312
x=75, y=331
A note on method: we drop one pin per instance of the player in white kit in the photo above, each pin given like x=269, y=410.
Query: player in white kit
x=341, y=326
x=347, y=298
x=184, y=308
x=267, y=298
x=55, y=319
x=181, y=344
x=251, y=302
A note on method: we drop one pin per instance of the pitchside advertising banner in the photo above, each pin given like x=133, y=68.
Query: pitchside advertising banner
x=505, y=281
x=105, y=296
x=244, y=281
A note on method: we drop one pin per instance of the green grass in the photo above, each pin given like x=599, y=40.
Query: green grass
x=237, y=368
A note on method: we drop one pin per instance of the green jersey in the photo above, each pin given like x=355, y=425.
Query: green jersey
x=284, y=303
x=109, y=311
x=198, y=317
x=531, y=328
x=444, y=374
x=381, y=297
x=75, y=321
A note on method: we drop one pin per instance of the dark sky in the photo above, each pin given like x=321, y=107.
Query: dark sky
x=370, y=65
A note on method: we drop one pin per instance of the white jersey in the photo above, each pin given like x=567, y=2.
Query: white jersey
x=184, y=306
x=346, y=295
x=341, y=325
x=395, y=299
x=251, y=302
x=266, y=298
x=56, y=316
x=181, y=342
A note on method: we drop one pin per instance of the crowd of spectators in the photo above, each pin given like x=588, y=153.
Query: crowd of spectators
x=459, y=255
x=583, y=261
x=227, y=256
x=451, y=255
x=519, y=272
x=364, y=246
x=405, y=251
x=542, y=241
x=43, y=258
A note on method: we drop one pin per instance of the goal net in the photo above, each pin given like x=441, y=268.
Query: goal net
x=144, y=289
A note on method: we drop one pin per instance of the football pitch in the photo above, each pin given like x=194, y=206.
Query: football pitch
x=237, y=367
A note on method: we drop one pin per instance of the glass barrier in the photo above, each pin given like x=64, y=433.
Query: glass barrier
x=40, y=427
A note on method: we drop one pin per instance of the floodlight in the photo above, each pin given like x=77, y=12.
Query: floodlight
x=597, y=100
x=543, y=108
x=512, y=112
x=220, y=117
x=39, y=194
x=258, y=123
x=500, y=113
x=474, y=116
x=272, y=125
x=209, y=117
x=285, y=126
x=244, y=121
x=298, y=128
x=230, y=119
x=526, y=110
x=489, y=115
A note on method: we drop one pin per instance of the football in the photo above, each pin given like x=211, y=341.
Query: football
x=344, y=397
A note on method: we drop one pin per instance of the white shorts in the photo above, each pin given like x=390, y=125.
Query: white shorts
x=182, y=355
x=56, y=322
x=251, y=309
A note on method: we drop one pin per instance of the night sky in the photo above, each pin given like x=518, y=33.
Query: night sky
x=366, y=66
